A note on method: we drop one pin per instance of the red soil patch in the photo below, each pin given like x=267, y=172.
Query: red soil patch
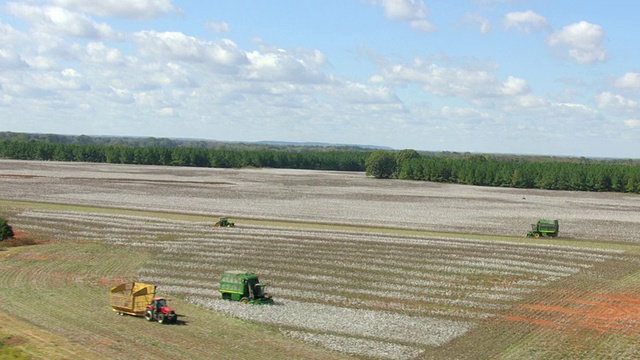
x=20, y=238
x=605, y=313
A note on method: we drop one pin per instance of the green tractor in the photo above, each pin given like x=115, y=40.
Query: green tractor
x=224, y=222
x=545, y=228
x=243, y=286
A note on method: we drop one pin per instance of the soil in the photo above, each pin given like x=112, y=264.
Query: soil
x=617, y=313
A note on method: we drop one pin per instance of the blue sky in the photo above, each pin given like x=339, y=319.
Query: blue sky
x=485, y=76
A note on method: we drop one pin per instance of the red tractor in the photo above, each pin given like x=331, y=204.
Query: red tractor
x=160, y=312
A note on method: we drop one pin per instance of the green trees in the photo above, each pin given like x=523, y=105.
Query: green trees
x=381, y=165
x=5, y=229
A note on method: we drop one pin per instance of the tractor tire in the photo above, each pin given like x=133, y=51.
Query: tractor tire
x=244, y=300
x=161, y=318
x=148, y=315
x=537, y=235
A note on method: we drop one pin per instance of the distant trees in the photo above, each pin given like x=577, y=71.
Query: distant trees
x=575, y=174
x=343, y=160
x=483, y=170
x=381, y=164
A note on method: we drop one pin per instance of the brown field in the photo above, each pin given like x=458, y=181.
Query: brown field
x=359, y=267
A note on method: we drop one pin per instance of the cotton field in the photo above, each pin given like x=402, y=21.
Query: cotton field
x=377, y=269
x=395, y=294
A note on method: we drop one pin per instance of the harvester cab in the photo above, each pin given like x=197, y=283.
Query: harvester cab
x=243, y=286
x=224, y=222
x=159, y=311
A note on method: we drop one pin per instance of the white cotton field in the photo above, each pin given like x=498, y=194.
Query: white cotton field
x=393, y=295
x=377, y=294
x=323, y=197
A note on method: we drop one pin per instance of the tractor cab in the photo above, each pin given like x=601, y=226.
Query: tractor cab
x=158, y=303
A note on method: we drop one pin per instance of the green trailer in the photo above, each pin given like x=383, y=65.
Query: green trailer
x=544, y=228
x=243, y=286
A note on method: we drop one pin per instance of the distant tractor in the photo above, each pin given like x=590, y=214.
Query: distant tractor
x=243, y=286
x=224, y=222
x=138, y=299
x=544, y=228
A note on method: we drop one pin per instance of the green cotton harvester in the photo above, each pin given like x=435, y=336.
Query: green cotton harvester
x=243, y=286
x=545, y=228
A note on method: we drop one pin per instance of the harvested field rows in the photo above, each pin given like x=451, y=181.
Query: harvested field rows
x=396, y=296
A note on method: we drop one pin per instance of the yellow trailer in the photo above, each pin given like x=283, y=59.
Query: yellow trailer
x=132, y=298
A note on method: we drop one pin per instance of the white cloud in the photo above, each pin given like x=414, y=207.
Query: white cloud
x=583, y=41
x=484, y=26
x=615, y=103
x=10, y=60
x=514, y=86
x=412, y=11
x=352, y=92
x=525, y=21
x=632, y=123
x=180, y=47
x=130, y=9
x=468, y=84
x=218, y=27
x=282, y=65
x=55, y=20
x=98, y=52
x=629, y=80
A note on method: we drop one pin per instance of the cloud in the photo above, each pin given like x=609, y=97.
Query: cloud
x=218, y=27
x=630, y=80
x=219, y=54
x=129, y=9
x=583, y=41
x=514, y=86
x=58, y=21
x=470, y=84
x=615, y=103
x=413, y=12
x=272, y=64
x=632, y=123
x=484, y=26
x=10, y=60
x=525, y=21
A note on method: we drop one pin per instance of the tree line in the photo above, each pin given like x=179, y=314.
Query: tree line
x=575, y=174
x=483, y=170
x=341, y=160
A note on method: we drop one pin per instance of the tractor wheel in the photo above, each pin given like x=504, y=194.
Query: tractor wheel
x=148, y=315
x=161, y=319
x=244, y=300
x=537, y=235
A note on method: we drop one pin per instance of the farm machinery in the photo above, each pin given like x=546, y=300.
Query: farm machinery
x=224, y=222
x=545, y=228
x=243, y=286
x=138, y=299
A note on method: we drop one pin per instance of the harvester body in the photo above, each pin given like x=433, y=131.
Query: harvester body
x=544, y=228
x=224, y=222
x=243, y=286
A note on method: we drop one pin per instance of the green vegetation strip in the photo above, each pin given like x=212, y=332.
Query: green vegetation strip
x=592, y=244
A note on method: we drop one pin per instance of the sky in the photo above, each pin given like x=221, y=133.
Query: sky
x=543, y=77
